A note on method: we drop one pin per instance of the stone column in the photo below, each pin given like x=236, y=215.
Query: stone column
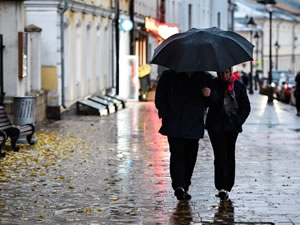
x=34, y=34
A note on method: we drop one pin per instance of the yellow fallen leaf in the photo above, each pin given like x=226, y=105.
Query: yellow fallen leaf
x=114, y=199
x=89, y=210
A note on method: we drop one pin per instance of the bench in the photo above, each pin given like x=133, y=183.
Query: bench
x=14, y=132
x=3, y=138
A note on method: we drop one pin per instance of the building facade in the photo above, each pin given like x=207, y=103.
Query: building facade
x=85, y=31
x=11, y=24
x=285, y=33
x=20, y=71
x=189, y=14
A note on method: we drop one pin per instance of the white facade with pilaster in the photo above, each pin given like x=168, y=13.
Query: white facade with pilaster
x=189, y=14
x=88, y=48
x=285, y=31
x=12, y=22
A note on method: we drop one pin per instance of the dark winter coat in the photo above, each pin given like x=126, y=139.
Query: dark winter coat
x=180, y=104
x=217, y=120
x=297, y=89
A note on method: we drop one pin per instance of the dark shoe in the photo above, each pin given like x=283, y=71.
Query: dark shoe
x=179, y=193
x=223, y=195
x=187, y=196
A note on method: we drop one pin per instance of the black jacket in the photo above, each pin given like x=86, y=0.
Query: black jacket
x=217, y=120
x=180, y=104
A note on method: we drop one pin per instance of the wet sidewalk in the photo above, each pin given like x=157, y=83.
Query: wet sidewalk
x=114, y=170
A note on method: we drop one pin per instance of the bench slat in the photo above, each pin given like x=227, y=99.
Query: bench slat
x=24, y=129
x=4, y=126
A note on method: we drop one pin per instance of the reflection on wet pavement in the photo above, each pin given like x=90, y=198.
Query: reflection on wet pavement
x=182, y=214
x=225, y=213
x=115, y=170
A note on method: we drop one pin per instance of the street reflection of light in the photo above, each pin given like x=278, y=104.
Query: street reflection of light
x=159, y=146
x=126, y=128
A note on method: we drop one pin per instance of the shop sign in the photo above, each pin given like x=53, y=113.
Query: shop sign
x=163, y=30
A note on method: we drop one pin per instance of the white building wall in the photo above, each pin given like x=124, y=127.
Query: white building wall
x=12, y=22
x=219, y=14
x=204, y=13
x=47, y=20
x=146, y=8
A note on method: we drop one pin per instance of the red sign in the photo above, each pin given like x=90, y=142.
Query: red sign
x=163, y=30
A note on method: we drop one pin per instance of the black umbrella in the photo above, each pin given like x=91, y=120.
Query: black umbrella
x=209, y=49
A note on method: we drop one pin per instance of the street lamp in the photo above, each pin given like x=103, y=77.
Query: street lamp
x=256, y=37
x=231, y=8
x=270, y=5
x=251, y=24
x=277, y=48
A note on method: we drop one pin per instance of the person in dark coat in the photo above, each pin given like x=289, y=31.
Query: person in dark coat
x=180, y=100
x=229, y=108
x=297, y=93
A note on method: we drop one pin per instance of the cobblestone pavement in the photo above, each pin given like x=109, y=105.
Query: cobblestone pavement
x=115, y=171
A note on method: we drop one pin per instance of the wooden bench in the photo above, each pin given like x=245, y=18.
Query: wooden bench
x=14, y=132
x=3, y=138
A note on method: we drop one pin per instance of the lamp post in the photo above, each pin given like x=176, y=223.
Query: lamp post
x=270, y=5
x=231, y=7
x=276, y=57
x=256, y=37
x=251, y=24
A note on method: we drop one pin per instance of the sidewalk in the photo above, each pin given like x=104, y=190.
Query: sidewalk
x=114, y=170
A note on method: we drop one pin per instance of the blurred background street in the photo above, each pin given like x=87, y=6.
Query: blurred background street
x=77, y=75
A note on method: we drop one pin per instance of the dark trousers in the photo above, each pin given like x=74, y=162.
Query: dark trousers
x=224, y=152
x=182, y=160
x=298, y=102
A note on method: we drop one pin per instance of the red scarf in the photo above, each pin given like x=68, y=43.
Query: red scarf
x=230, y=86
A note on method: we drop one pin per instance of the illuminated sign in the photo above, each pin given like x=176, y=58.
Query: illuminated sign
x=163, y=30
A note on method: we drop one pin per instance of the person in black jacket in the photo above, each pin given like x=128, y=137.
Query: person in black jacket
x=229, y=108
x=180, y=100
x=297, y=93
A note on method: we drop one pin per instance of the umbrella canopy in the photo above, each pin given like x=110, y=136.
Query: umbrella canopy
x=209, y=49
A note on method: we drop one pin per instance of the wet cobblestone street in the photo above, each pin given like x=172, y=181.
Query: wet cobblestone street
x=116, y=171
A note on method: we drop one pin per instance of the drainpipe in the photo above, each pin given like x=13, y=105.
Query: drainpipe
x=117, y=14
x=62, y=51
x=131, y=14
